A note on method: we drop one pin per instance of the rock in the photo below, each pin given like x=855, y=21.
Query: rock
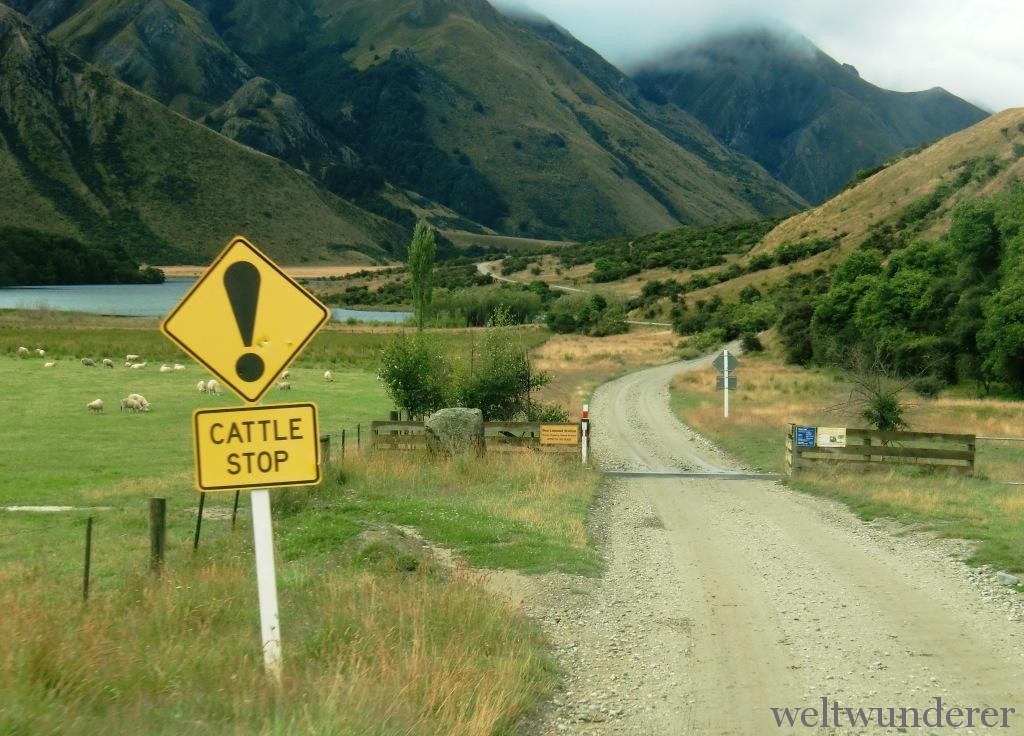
x=456, y=431
x=1007, y=579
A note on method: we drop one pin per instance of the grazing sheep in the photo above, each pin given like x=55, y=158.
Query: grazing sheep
x=131, y=358
x=49, y=364
x=23, y=350
x=141, y=400
x=283, y=386
x=179, y=367
x=284, y=376
x=201, y=387
x=95, y=406
x=40, y=352
x=137, y=365
x=212, y=387
x=89, y=362
x=108, y=362
x=328, y=376
x=130, y=404
x=165, y=368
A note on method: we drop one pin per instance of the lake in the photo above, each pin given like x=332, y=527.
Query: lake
x=138, y=300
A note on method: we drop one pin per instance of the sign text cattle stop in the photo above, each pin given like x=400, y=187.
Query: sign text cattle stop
x=256, y=447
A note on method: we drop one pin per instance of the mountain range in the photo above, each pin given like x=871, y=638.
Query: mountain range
x=326, y=127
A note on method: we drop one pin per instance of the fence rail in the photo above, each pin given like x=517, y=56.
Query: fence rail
x=876, y=447
x=498, y=436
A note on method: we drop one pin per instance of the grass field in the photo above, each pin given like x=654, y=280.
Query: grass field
x=984, y=508
x=379, y=636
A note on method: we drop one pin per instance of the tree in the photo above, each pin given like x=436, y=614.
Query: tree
x=502, y=385
x=414, y=376
x=422, y=251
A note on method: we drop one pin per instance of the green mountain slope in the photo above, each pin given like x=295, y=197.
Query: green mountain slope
x=512, y=123
x=810, y=121
x=83, y=154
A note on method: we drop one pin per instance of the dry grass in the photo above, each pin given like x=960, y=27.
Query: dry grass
x=577, y=363
x=364, y=653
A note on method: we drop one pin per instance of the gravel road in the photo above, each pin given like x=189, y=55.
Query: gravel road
x=724, y=598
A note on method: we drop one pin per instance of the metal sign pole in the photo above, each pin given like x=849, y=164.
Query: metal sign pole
x=725, y=388
x=266, y=582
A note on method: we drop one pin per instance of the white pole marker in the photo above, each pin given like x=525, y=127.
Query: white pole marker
x=725, y=387
x=585, y=431
x=266, y=582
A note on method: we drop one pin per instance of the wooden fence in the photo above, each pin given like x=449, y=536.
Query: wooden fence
x=498, y=437
x=937, y=449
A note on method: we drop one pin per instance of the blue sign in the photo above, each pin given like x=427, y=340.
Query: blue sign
x=806, y=436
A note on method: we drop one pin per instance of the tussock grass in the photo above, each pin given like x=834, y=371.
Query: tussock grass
x=772, y=394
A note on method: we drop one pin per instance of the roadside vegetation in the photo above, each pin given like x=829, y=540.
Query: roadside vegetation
x=773, y=393
x=381, y=633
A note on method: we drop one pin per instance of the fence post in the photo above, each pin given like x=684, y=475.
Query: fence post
x=790, y=457
x=343, y=444
x=88, y=559
x=971, y=448
x=325, y=450
x=234, y=511
x=199, y=521
x=157, y=533
x=867, y=441
x=359, y=434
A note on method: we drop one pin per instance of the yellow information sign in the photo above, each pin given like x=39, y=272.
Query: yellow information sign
x=559, y=434
x=256, y=447
x=245, y=320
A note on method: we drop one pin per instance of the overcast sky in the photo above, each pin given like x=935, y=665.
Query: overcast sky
x=973, y=48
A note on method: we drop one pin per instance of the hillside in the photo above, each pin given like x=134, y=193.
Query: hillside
x=511, y=123
x=809, y=120
x=84, y=155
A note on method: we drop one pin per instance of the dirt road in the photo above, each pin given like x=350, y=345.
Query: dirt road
x=726, y=598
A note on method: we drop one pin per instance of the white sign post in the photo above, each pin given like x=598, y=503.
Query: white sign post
x=266, y=582
x=585, y=431
x=725, y=388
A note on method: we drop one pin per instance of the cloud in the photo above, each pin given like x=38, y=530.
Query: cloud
x=973, y=49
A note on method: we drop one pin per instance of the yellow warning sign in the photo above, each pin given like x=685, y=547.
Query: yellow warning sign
x=256, y=447
x=245, y=320
x=559, y=434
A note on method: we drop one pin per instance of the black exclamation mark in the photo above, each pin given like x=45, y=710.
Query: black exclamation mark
x=242, y=281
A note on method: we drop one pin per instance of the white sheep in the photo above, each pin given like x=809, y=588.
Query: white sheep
x=40, y=352
x=132, y=358
x=89, y=362
x=95, y=406
x=212, y=387
x=179, y=367
x=141, y=400
x=284, y=386
x=165, y=368
x=284, y=376
x=23, y=350
x=130, y=404
x=328, y=376
x=201, y=387
x=108, y=362
x=137, y=365
x=49, y=364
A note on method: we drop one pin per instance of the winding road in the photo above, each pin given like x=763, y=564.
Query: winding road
x=724, y=599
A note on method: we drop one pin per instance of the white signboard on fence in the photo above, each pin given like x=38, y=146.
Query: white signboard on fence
x=831, y=437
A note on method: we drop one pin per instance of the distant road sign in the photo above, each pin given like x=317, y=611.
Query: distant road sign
x=831, y=436
x=720, y=383
x=559, y=434
x=806, y=436
x=256, y=447
x=720, y=362
x=245, y=320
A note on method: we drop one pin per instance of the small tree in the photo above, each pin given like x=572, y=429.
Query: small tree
x=502, y=384
x=413, y=375
x=422, y=251
x=876, y=394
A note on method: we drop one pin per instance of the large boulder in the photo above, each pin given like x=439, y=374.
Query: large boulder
x=455, y=431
